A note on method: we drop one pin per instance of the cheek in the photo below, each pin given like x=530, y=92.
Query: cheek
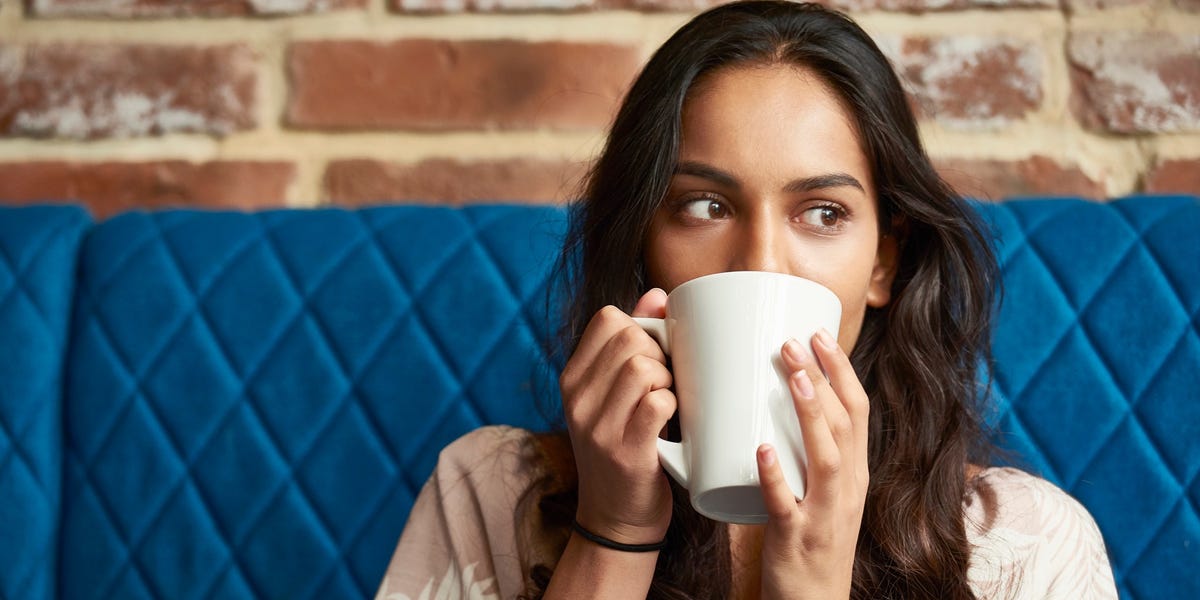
x=850, y=280
x=853, y=313
x=674, y=259
x=659, y=261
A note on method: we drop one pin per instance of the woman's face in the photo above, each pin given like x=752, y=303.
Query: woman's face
x=772, y=177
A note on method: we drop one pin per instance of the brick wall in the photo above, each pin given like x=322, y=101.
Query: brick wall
x=256, y=103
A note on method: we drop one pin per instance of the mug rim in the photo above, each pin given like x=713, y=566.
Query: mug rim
x=796, y=279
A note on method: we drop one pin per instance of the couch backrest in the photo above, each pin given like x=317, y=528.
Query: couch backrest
x=38, y=248
x=1097, y=351
x=252, y=401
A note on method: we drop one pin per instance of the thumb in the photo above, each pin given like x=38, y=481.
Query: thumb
x=652, y=304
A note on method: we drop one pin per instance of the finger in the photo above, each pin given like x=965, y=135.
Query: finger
x=650, y=416
x=603, y=418
x=600, y=329
x=638, y=376
x=624, y=343
x=849, y=390
x=630, y=365
x=652, y=304
x=824, y=455
x=778, y=498
x=610, y=337
x=799, y=357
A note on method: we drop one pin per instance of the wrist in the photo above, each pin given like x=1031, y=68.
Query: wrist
x=622, y=533
x=616, y=545
x=588, y=570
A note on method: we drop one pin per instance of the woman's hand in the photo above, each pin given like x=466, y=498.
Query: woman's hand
x=808, y=548
x=616, y=397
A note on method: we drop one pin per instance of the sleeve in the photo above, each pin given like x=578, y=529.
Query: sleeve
x=1037, y=542
x=461, y=537
x=1079, y=561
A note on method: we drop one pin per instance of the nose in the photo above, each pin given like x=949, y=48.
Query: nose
x=761, y=247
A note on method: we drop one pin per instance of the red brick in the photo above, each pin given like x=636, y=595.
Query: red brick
x=1178, y=176
x=111, y=187
x=123, y=9
x=912, y=6
x=455, y=85
x=99, y=90
x=1077, y=6
x=969, y=82
x=672, y=5
x=1034, y=176
x=918, y=6
x=445, y=181
x=495, y=6
x=1136, y=82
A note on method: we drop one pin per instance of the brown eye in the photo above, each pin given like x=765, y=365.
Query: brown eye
x=825, y=217
x=706, y=209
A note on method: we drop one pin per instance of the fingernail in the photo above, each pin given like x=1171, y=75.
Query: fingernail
x=795, y=351
x=804, y=385
x=826, y=339
x=766, y=453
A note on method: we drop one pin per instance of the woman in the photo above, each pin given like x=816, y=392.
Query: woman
x=763, y=136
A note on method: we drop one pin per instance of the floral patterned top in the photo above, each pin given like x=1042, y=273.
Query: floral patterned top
x=1030, y=539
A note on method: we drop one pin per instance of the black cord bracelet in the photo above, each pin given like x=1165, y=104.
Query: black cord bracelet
x=607, y=543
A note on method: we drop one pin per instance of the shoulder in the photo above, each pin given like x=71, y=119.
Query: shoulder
x=492, y=441
x=464, y=531
x=492, y=455
x=1027, y=532
x=1012, y=498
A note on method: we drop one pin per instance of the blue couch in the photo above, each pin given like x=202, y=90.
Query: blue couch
x=226, y=405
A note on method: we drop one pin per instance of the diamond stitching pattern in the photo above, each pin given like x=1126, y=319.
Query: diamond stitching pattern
x=136, y=544
x=295, y=490
x=442, y=355
x=38, y=250
x=302, y=453
x=281, y=416
x=1132, y=545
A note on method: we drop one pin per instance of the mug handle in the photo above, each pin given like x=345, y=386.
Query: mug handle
x=657, y=328
x=670, y=454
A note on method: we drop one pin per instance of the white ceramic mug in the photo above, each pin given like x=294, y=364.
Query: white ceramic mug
x=724, y=333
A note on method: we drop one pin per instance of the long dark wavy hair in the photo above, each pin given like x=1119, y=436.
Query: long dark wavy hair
x=918, y=357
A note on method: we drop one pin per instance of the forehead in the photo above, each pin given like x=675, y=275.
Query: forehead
x=777, y=118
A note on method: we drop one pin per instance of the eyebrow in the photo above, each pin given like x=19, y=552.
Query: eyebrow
x=804, y=184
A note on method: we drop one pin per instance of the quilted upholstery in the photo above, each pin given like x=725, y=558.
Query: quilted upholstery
x=38, y=247
x=250, y=402
x=1097, y=355
x=255, y=400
